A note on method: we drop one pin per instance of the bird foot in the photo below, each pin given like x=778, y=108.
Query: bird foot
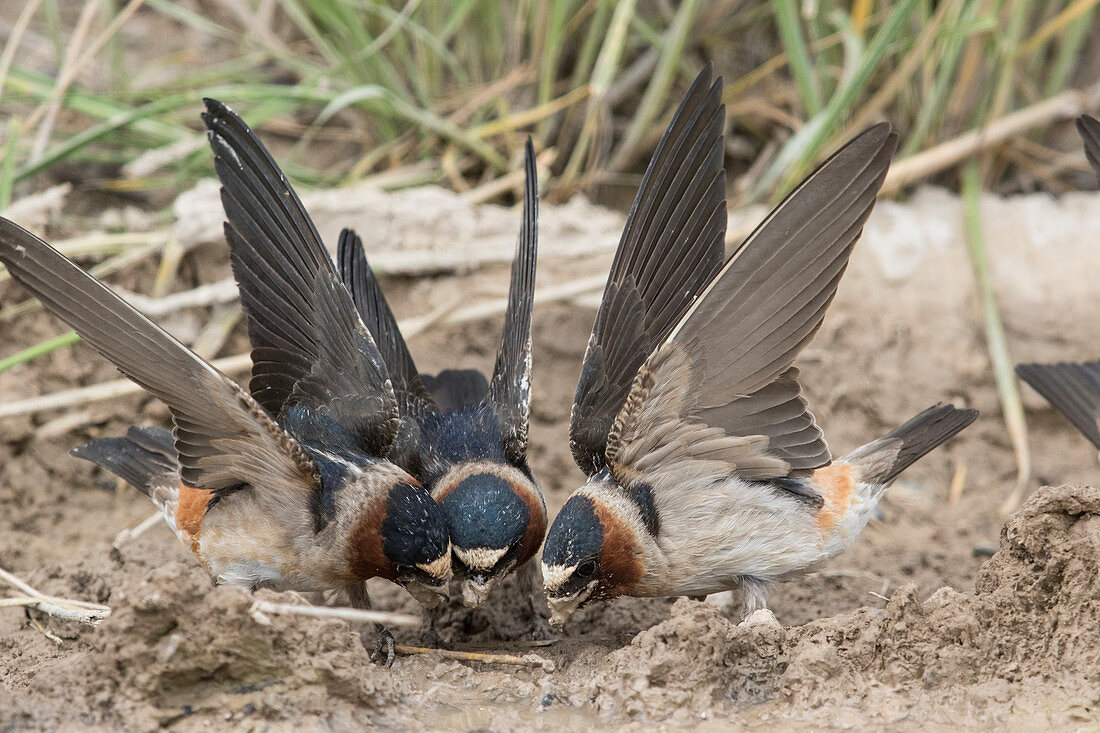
x=539, y=628
x=383, y=653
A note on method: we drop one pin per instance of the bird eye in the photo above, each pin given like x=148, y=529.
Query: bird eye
x=587, y=569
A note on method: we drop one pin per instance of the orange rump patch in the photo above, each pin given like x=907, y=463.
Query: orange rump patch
x=837, y=486
x=190, y=512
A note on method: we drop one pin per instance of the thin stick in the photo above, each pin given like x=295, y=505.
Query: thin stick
x=260, y=609
x=52, y=637
x=132, y=533
x=528, y=660
x=72, y=66
x=508, y=181
x=65, y=77
x=63, y=608
x=958, y=483
x=947, y=154
x=15, y=38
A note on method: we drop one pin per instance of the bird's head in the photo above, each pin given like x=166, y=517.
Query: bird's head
x=404, y=538
x=590, y=554
x=497, y=520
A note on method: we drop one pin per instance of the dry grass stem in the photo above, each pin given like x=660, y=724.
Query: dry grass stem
x=1064, y=106
x=261, y=609
x=132, y=533
x=527, y=660
x=63, y=608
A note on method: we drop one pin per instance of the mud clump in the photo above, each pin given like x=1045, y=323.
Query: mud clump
x=175, y=646
x=1027, y=634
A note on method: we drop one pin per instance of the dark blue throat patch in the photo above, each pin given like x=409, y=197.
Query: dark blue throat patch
x=415, y=529
x=484, y=511
x=576, y=534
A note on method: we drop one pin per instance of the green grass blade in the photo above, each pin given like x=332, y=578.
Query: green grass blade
x=1011, y=404
x=806, y=146
x=41, y=349
x=656, y=93
x=794, y=43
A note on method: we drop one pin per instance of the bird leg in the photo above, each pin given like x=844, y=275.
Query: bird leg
x=750, y=595
x=530, y=579
x=433, y=638
x=754, y=595
x=381, y=639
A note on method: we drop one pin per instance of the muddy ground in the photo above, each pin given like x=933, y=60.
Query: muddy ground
x=917, y=626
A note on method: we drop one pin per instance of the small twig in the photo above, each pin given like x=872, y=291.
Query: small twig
x=217, y=331
x=507, y=182
x=216, y=293
x=132, y=533
x=52, y=637
x=63, y=608
x=839, y=573
x=63, y=424
x=260, y=609
x=1064, y=106
x=528, y=660
x=15, y=38
x=474, y=646
x=958, y=482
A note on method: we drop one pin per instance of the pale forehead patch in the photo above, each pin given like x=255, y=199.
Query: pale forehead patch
x=463, y=471
x=480, y=558
x=440, y=567
x=554, y=576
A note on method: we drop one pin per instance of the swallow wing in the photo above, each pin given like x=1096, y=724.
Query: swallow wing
x=721, y=388
x=224, y=438
x=1089, y=128
x=510, y=386
x=413, y=399
x=370, y=302
x=671, y=248
x=1073, y=389
x=308, y=341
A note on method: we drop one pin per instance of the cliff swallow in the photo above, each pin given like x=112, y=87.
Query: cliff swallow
x=706, y=470
x=1073, y=388
x=464, y=438
x=280, y=495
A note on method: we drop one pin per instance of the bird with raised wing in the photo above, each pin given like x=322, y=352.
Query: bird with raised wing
x=1073, y=388
x=706, y=470
x=462, y=437
x=286, y=499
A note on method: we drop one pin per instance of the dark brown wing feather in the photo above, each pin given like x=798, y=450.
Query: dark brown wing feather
x=671, y=248
x=285, y=277
x=374, y=310
x=1071, y=388
x=510, y=385
x=1089, y=128
x=224, y=438
x=727, y=364
x=413, y=399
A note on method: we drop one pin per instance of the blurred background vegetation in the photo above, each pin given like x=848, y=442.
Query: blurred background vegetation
x=106, y=93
